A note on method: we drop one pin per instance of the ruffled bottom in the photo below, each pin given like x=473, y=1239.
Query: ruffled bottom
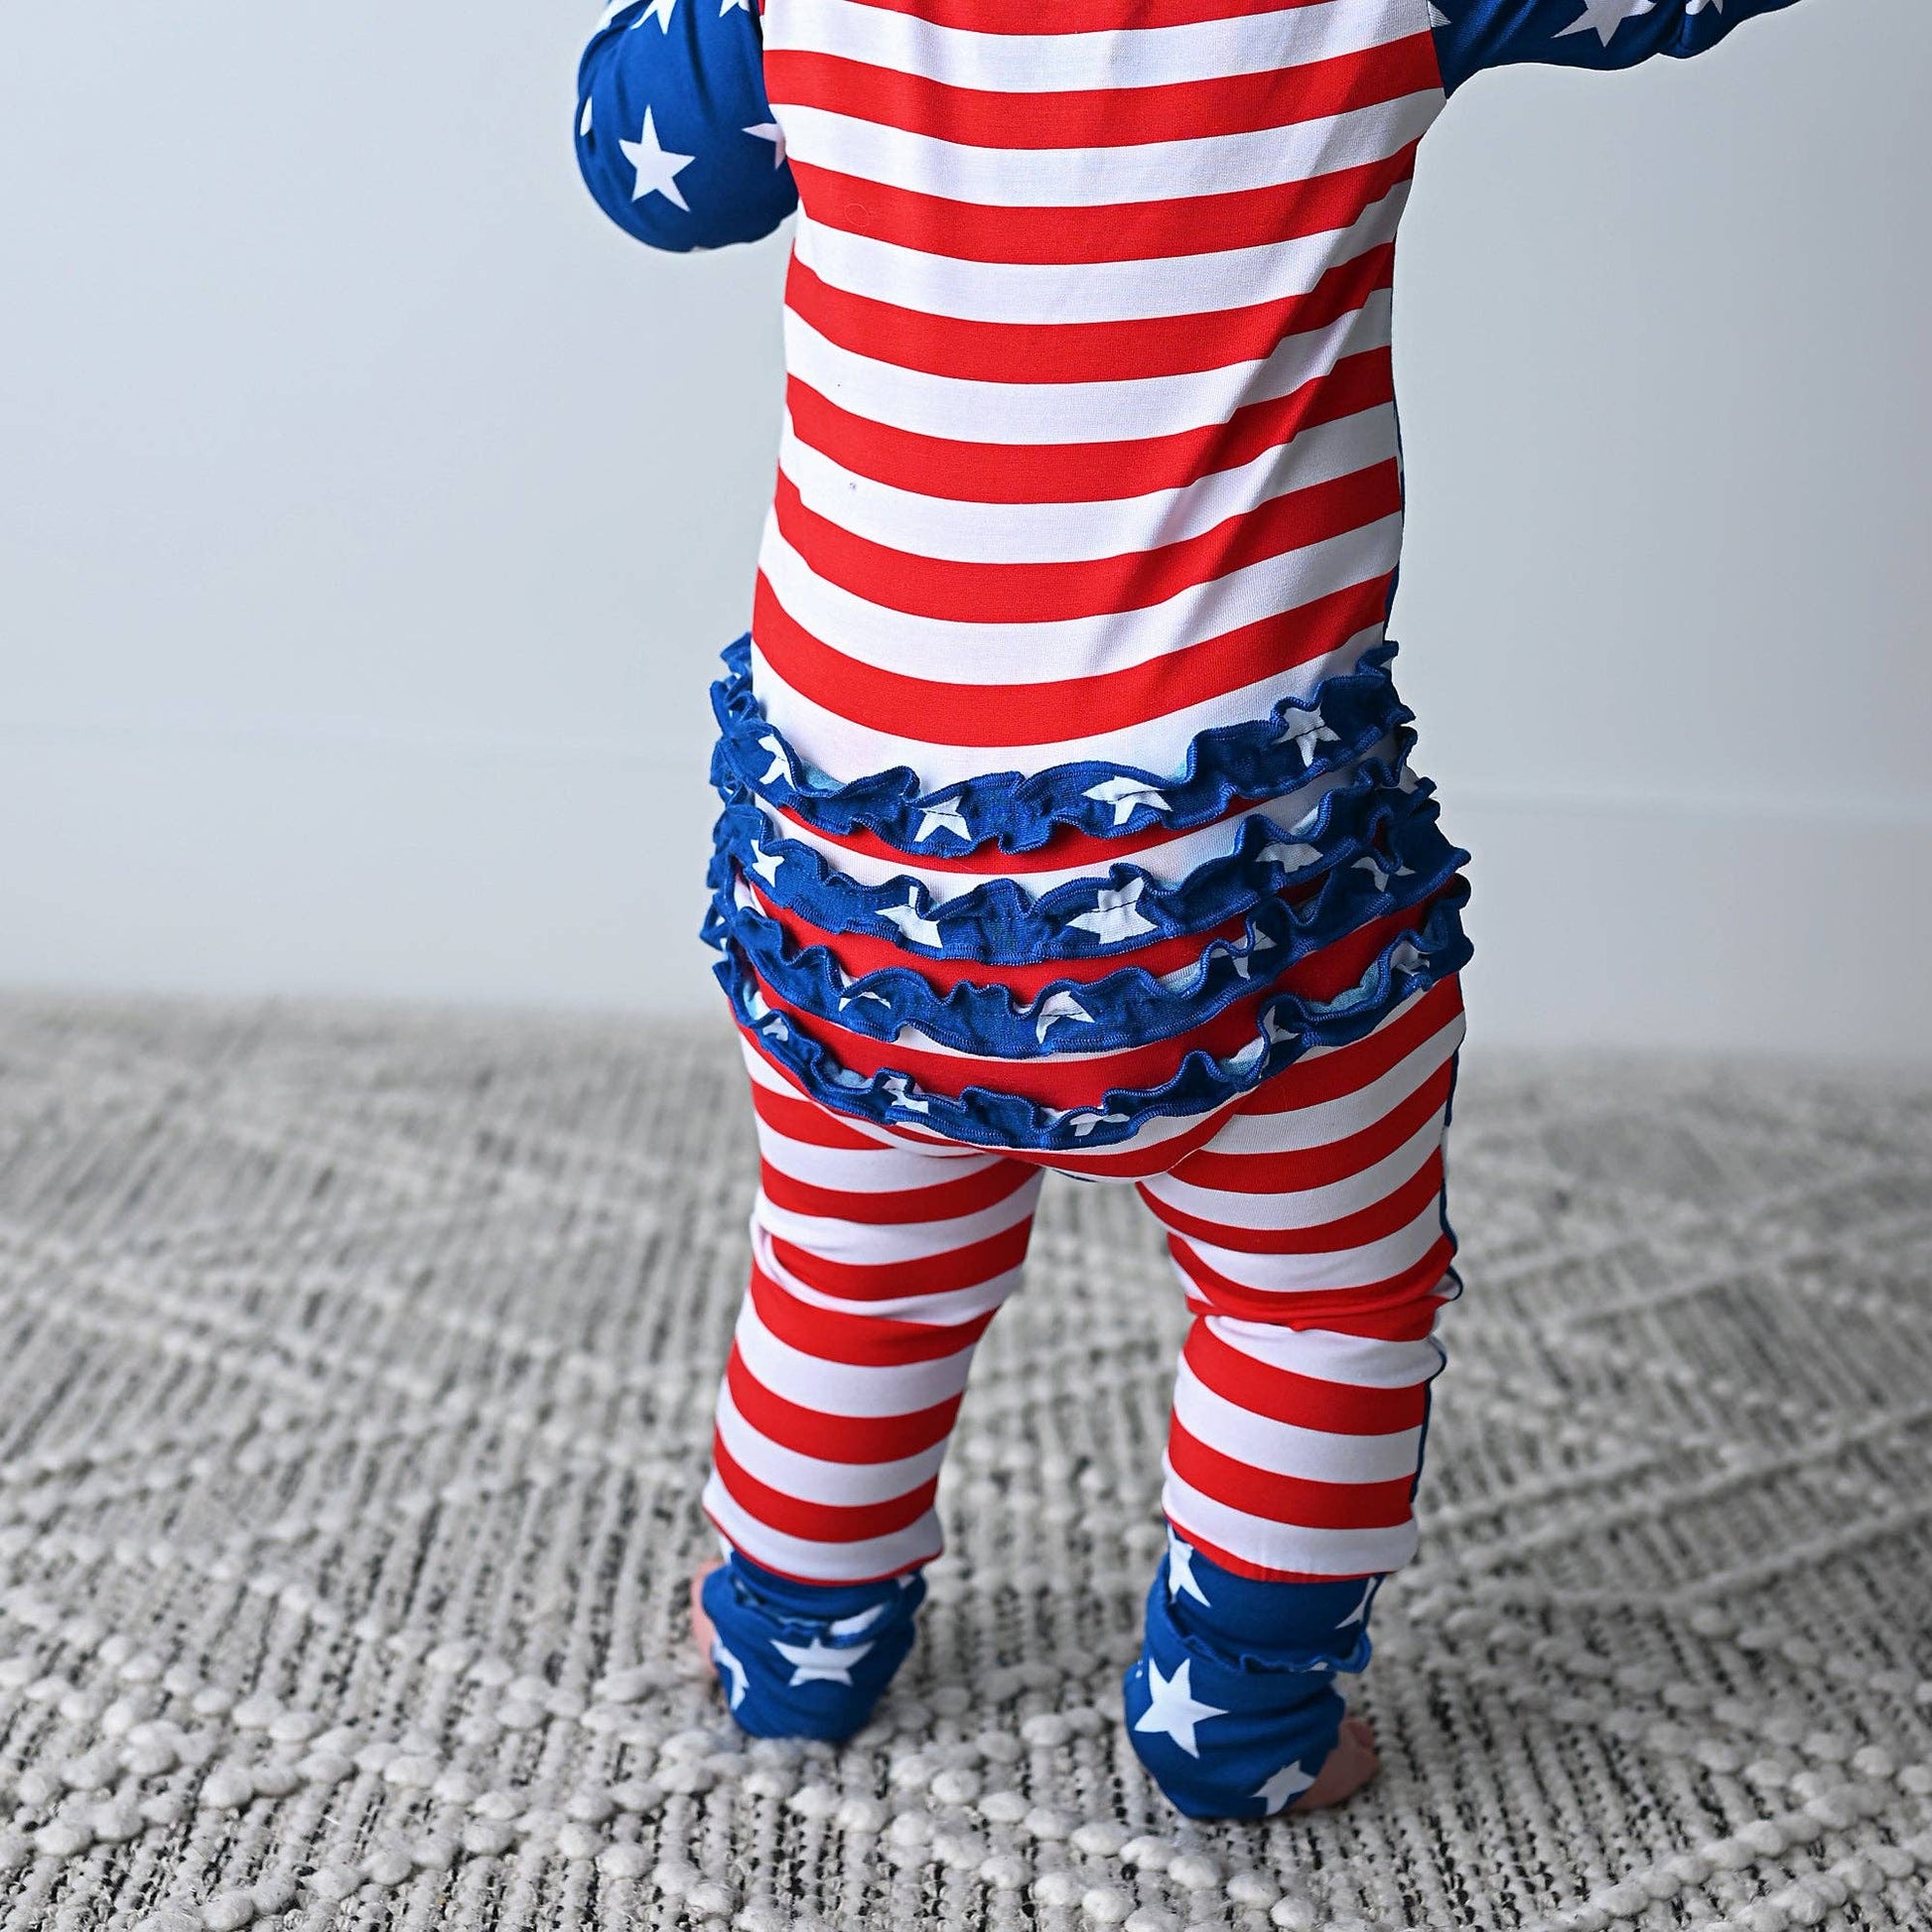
x=1062, y=1017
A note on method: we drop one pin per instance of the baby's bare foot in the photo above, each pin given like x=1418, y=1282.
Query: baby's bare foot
x=1347, y=1768
x=703, y=1634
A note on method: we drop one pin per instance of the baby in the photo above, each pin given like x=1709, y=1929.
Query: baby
x=1068, y=814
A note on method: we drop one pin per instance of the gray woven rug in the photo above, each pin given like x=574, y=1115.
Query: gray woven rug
x=355, y=1382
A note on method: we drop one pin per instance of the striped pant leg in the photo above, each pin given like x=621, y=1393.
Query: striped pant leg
x=1311, y=1240
x=875, y=1266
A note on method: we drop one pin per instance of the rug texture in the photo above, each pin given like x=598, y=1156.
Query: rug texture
x=355, y=1375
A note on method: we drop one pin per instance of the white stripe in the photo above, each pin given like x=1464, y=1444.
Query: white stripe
x=1287, y=1449
x=1329, y=1354
x=954, y=650
x=1284, y=1546
x=850, y=751
x=846, y=1388
x=1037, y=414
x=1304, y=1208
x=1051, y=533
x=830, y=1563
x=809, y=1479
x=1044, y=291
x=1325, y=1122
x=867, y=1171
x=955, y=1308
x=1104, y=177
x=1142, y=57
x=1344, y=1268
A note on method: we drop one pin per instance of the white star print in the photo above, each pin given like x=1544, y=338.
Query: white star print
x=781, y=767
x=583, y=119
x=1289, y=1782
x=724, y=1658
x=900, y=1088
x=1294, y=857
x=1058, y=1006
x=850, y=1626
x=911, y=922
x=1182, y=1579
x=1361, y=1609
x=766, y=864
x=765, y=130
x=1244, y=963
x=725, y=6
x=1085, y=1123
x=1274, y=1029
x=1308, y=729
x=657, y=169
x=660, y=11
x=1125, y=796
x=944, y=816
x=820, y=1663
x=1607, y=15
x=1115, y=914
x=1174, y=1710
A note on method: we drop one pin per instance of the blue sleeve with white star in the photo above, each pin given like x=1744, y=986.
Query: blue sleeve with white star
x=1471, y=35
x=674, y=134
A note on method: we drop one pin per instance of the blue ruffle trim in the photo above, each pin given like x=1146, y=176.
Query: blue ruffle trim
x=1345, y=718
x=1286, y=1026
x=1127, y=1008
x=1370, y=822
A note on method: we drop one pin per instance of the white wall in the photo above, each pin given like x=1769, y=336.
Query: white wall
x=370, y=514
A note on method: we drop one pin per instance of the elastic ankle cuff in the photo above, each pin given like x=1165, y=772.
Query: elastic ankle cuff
x=806, y=1660
x=1231, y=1704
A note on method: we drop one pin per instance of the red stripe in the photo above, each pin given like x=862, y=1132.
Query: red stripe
x=1291, y=1171
x=1390, y=1215
x=1056, y=593
x=1298, y=1500
x=1161, y=231
x=1092, y=351
x=817, y=1522
x=1281, y=1395
x=1102, y=117
x=948, y=1273
x=1401, y=1308
x=859, y=1340
x=1083, y=472
x=926, y=711
x=835, y=1438
x=942, y=1200
x=1340, y=1070
x=799, y=1119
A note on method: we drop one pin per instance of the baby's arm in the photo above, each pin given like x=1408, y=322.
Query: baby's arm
x=1474, y=34
x=674, y=135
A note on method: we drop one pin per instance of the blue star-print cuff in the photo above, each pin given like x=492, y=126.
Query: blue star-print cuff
x=806, y=1660
x=1231, y=1704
